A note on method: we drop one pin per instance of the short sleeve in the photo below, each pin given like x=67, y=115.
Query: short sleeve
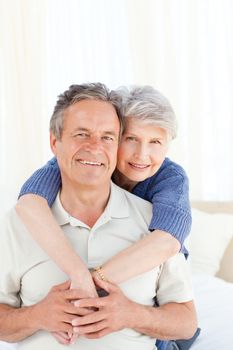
x=9, y=281
x=174, y=283
x=44, y=182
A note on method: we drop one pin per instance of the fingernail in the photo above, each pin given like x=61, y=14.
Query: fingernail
x=74, y=341
x=74, y=322
x=75, y=330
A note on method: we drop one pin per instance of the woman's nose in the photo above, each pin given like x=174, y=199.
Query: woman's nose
x=141, y=151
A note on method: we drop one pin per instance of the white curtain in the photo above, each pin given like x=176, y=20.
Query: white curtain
x=184, y=48
x=23, y=114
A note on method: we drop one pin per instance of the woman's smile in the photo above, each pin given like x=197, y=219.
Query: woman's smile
x=142, y=149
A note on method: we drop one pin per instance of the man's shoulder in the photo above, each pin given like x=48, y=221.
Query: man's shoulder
x=15, y=237
x=132, y=197
x=135, y=204
x=136, y=200
x=10, y=217
x=12, y=227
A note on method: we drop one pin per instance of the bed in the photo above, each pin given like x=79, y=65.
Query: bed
x=211, y=263
x=212, y=271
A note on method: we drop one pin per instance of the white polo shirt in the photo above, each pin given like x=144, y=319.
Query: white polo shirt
x=27, y=273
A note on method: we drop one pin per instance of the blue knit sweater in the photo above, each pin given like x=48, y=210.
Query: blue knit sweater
x=167, y=190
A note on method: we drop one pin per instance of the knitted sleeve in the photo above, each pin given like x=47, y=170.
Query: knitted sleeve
x=168, y=191
x=45, y=182
x=171, y=207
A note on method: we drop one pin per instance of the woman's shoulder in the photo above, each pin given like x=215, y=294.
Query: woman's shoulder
x=170, y=168
x=171, y=178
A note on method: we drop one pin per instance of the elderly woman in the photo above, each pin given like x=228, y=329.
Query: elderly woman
x=143, y=169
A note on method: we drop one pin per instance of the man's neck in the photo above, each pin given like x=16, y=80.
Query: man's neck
x=85, y=203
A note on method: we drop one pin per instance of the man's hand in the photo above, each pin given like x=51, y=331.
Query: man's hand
x=114, y=312
x=63, y=338
x=56, y=311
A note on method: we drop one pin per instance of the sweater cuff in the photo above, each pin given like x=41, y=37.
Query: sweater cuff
x=173, y=220
x=44, y=183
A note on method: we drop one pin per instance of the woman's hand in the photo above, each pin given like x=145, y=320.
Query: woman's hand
x=84, y=282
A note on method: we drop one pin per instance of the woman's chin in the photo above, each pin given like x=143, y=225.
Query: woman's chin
x=137, y=177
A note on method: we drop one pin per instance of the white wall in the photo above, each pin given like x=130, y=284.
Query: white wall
x=183, y=48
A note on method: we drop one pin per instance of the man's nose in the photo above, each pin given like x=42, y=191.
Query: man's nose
x=94, y=143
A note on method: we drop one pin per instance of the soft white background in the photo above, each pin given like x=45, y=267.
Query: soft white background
x=184, y=48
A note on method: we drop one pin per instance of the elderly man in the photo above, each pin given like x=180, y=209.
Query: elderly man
x=99, y=218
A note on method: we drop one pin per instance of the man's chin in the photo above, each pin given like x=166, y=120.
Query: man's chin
x=92, y=181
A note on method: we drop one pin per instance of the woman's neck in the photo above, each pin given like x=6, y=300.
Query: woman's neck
x=123, y=181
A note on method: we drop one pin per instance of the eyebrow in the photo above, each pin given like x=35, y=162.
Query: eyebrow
x=152, y=138
x=128, y=133
x=80, y=129
x=106, y=132
x=157, y=138
x=112, y=133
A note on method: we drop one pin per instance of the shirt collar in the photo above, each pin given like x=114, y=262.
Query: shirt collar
x=117, y=207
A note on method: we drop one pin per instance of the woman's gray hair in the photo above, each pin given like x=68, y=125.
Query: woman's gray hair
x=147, y=104
x=76, y=93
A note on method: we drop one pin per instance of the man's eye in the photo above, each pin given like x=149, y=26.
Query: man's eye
x=107, y=138
x=81, y=135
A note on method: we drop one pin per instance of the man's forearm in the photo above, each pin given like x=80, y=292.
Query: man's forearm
x=16, y=323
x=116, y=312
x=54, y=313
x=169, y=321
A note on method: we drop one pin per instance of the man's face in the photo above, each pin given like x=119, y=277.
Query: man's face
x=87, y=151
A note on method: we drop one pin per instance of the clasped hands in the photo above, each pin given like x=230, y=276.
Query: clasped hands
x=68, y=314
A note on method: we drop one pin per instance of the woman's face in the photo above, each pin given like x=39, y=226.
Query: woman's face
x=142, y=149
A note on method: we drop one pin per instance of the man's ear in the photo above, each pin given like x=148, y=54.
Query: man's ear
x=53, y=143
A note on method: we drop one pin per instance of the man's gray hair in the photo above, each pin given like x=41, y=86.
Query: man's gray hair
x=76, y=93
x=147, y=104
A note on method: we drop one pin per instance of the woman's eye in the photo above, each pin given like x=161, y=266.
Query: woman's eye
x=130, y=138
x=157, y=142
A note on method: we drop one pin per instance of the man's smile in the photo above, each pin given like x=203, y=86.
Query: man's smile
x=88, y=162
